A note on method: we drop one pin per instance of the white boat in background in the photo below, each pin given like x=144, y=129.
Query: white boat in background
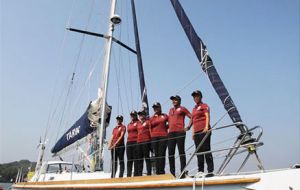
x=71, y=175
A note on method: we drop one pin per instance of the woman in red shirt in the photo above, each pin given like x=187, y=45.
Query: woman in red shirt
x=144, y=143
x=159, y=137
x=177, y=133
x=116, y=145
x=131, y=145
x=201, y=124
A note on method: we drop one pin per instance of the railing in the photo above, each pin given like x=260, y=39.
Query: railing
x=232, y=151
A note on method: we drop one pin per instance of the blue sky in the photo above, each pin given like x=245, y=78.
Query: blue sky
x=254, y=45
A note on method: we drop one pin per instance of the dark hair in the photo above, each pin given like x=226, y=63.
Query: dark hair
x=119, y=117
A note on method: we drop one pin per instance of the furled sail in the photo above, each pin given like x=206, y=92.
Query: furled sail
x=85, y=125
x=145, y=105
x=207, y=65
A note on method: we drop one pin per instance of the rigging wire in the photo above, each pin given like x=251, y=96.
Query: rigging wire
x=88, y=79
x=122, y=71
x=128, y=55
x=74, y=71
x=117, y=73
x=184, y=87
x=62, y=46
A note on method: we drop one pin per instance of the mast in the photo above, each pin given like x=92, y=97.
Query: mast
x=105, y=74
x=145, y=105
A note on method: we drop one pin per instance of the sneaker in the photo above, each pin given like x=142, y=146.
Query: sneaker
x=248, y=139
x=210, y=175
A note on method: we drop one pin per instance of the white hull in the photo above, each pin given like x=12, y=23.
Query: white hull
x=286, y=179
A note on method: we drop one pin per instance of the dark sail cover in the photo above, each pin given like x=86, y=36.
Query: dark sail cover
x=80, y=129
x=144, y=97
x=206, y=62
x=85, y=125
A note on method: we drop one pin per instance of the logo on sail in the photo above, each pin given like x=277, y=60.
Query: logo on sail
x=73, y=133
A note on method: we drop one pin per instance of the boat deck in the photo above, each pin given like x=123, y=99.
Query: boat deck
x=143, y=182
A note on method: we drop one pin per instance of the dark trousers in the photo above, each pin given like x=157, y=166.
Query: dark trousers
x=131, y=152
x=143, y=152
x=205, y=147
x=159, y=145
x=176, y=138
x=117, y=154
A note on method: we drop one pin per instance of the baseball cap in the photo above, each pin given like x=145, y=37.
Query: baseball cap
x=176, y=97
x=197, y=93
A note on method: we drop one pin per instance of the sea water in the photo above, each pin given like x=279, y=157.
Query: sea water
x=5, y=186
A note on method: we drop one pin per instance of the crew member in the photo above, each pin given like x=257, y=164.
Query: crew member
x=144, y=143
x=116, y=145
x=131, y=145
x=159, y=137
x=177, y=133
x=201, y=125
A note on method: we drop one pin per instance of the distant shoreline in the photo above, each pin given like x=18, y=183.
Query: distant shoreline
x=9, y=171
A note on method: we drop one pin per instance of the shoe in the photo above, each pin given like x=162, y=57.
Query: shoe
x=210, y=175
x=248, y=139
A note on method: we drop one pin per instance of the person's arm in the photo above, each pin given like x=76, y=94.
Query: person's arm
x=193, y=132
x=207, y=118
x=189, y=115
x=149, y=126
x=167, y=121
x=189, y=125
x=110, y=143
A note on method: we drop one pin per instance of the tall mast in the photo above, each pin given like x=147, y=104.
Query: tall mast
x=145, y=105
x=105, y=74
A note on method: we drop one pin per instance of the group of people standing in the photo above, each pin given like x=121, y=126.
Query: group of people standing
x=159, y=132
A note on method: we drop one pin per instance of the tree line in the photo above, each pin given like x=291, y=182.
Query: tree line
x=9, y=171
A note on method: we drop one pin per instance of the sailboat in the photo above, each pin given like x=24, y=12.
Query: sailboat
x=93, y=123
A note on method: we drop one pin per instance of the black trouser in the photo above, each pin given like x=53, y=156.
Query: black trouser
x=143, y=152
x=131, y=152
x=159, y=146
x=205, y=147
x=176, y=138
x=117, y=154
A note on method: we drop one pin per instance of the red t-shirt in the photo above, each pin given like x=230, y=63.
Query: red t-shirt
x=176, y=119
x=159, y=125
x=132, y=131
x=144, y=131
x=117, y=131
x=198, y=116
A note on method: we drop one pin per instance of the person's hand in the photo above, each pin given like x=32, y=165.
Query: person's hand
x=205, y=129
x=186, y=129
x=111, y=147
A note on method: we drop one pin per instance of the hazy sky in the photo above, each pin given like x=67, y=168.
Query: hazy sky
x=254, y=45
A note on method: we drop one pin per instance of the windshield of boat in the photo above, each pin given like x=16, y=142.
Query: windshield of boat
x=63, y=168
